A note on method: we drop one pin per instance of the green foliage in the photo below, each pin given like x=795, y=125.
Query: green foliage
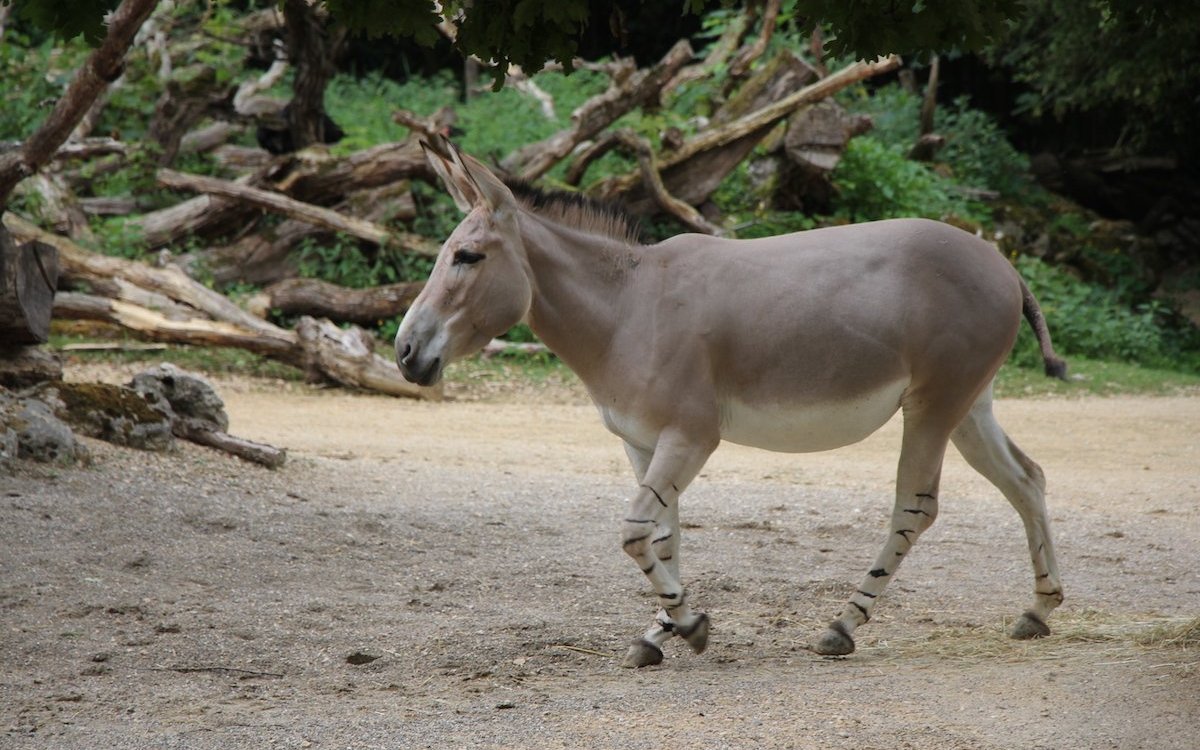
x=1133, y=60
x=1091, y=321
x=877, y=181
x=343, y=260
x=525, y=32
x=1096, y=377
x=67, y=19
x=869, y=28
x=977, y=152
x=34, y=75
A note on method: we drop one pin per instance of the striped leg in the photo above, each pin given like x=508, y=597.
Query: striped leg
x=650, y=535
x=984, y=445
x=915, y=510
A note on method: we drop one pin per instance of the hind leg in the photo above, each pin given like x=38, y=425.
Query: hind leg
x=989, y=451
x=916, y=507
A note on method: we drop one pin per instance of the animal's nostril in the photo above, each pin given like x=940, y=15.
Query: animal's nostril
x=407, y=351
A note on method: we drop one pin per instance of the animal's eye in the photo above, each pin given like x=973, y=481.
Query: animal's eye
x=466, y=257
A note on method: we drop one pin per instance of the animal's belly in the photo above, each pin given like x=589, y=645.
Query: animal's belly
x=805, y=428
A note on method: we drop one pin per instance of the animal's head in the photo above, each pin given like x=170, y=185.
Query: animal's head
x=480, y=284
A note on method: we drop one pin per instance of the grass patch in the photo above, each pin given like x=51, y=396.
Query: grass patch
x=1097, y=378
x=1108, y=638
x=212, y=360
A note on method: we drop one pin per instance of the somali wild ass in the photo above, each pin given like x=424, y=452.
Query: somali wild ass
x=802, y=342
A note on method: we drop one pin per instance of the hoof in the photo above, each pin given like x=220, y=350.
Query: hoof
x=642, y=653
x=1029, y=626
x=834, y=642
x=697, y=635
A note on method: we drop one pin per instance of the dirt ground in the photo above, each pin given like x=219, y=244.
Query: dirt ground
x=449, y=576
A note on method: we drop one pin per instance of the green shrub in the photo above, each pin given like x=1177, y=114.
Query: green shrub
x=877, y=181
x=1090, y=321
x=977, y=152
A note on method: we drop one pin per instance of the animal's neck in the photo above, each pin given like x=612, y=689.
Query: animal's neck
x=578, y=279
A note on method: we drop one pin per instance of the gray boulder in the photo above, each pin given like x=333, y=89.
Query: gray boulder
x=185, y=396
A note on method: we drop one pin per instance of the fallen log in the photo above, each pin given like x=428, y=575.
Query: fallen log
x=80, y=266
x=248, y=450
x=316, y=347
x=194, y=331
x=642, y=88
x=194, y=216
x=338, y=303
x=320, y=349
x=758, y=121
x=318, y=215
x=653, y=184
x=322, y=179
x=751, y=52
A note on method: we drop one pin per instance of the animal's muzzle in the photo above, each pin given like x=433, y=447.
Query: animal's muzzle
x=414, y=369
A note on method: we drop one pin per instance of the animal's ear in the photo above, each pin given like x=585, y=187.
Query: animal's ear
x=444, y=159
x=492, y=190
x=469, y=181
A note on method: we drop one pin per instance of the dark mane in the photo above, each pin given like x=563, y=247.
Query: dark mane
x=579, y=211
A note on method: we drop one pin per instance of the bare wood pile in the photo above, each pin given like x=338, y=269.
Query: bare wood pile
x=246, y=226
x=164, y=304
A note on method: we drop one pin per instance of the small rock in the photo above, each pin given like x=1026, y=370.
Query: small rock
x=108, y=412
x=184, y=395
x=30, y=429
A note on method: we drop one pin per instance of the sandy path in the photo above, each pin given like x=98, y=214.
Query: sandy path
x=469, y=550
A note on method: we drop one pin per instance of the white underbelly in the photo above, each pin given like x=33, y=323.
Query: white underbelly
x=805, y=428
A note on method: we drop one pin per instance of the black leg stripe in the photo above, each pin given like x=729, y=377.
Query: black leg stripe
x=879, y=573
x=657, y=496
x=869, y=596
x=663, y=538
x=628, y=542
x=640, y=520
x=650, y=569
x=861, y=608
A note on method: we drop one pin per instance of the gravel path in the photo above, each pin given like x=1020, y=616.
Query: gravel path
x=449, y=576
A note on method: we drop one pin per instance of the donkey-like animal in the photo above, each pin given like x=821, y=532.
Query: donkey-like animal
x=803, y=342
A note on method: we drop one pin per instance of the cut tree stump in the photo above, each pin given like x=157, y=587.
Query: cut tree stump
x=813, y=146
x=28, y=279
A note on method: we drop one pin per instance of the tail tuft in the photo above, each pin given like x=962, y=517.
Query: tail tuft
x=1056, y=367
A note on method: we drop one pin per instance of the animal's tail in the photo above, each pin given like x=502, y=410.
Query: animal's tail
x=1056, y=367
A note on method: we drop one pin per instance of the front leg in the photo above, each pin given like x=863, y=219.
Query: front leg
x=650, y=535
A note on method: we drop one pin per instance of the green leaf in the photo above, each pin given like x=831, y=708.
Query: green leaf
x=68, y=19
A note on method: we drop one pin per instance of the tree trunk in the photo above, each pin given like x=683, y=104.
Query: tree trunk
x=103, y=66
x=928, y=143
x=28, y=279
x=311, y=51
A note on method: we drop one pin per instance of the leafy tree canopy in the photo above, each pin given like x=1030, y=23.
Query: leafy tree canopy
x=869, y=28
x=67, y=18
x=531, y=32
